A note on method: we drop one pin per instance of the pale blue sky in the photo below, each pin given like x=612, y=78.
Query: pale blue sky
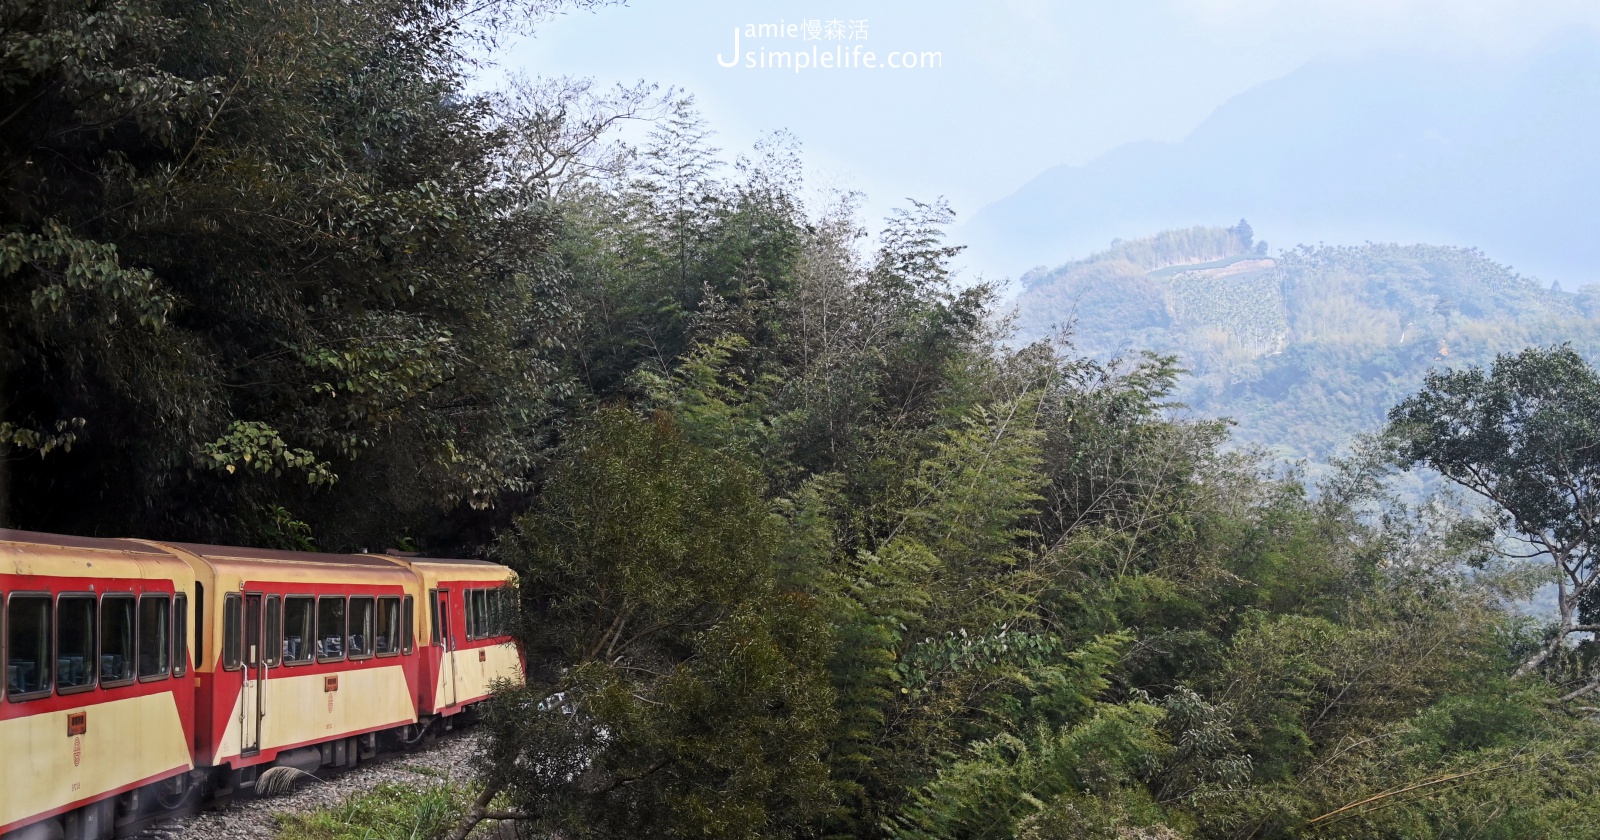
x=1025, y=84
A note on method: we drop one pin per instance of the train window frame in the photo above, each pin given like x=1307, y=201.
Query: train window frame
x=309, y=644
x=408, y=625
x=165, y=625
x=272, y=633
x=485, y=628
x=93, y=657
x=10, y=599
x=344, y=626
x=499, y=611
x=437, y=638
x=200, y=628
x=466, y=614
x=371, y=605
x=232, y=652
x=133, y=640
x=394, y=603
x=254, y=645
x=180, y=634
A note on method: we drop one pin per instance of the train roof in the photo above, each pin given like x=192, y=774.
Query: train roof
x=67, y=541
x=272, y=555
x=230, y=566
x=414, y=560
x=437, y=570
x=27, y=548
x=59, y=555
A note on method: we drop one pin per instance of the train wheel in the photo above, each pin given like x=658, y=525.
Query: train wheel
x=174, y=793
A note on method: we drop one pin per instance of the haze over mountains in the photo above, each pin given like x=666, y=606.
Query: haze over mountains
x=1307, y=348
x=1505, y=158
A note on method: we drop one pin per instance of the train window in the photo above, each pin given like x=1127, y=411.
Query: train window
x=155, y=637
x=407, y=626
x=274, y=643
x=433, y=614
x=298, y=637
x=180, y=635
x=467, y=624
x=330, y=628
x=361, y=626
x=387, y=641
x=232, y=626
x=252, y=630
x=499, y=612
x=75, y=624
x=116, y=640
x=199, y=623
x=478, y=621
x=28, y=650
x=443, y=603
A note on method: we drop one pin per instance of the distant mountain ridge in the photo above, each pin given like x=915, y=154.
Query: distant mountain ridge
x=1501, y=157
x=1311, y=346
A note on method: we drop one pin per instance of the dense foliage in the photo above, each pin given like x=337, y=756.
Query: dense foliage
x=810, y=545
x=251, y=250
x=1524, y=436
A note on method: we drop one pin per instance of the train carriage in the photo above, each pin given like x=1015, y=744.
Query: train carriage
x=298, y=649
x=140, y=672
x=469, y=646
x=98, y=698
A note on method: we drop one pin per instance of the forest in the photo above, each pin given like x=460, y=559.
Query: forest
x=1307, y=349
x=811, y=542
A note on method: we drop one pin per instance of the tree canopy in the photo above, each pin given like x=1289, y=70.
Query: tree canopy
x=263, y=257
x=1524, y=435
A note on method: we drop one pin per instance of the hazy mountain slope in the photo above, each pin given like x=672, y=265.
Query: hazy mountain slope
x=1505, y=158
x=1309, y=347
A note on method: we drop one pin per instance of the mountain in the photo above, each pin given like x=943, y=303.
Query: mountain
x=1503, y=157
x=1307, y=348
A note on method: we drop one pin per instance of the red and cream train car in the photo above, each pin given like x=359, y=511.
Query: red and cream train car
x=139, y=672
x=98, y=699
x=468, y=649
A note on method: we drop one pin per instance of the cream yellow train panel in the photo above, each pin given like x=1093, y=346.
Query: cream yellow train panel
x=475, y=677
x=300, y=709
x=126, y=741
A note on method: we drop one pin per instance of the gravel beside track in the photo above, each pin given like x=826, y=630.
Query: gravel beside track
x=450, y=758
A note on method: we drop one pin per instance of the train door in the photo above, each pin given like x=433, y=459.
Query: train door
x=255, y=671
x=459, y=672
x=447, y=648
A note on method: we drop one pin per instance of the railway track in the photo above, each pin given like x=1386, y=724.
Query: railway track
x=244, y=815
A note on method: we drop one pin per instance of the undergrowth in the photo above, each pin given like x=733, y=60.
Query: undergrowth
x=390, y=811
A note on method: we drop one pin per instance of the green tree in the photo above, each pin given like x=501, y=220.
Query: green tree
x=249, y=249
x=674, y=688
x=1525, y=436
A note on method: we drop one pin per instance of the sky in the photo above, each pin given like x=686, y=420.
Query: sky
x=1020, y=86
